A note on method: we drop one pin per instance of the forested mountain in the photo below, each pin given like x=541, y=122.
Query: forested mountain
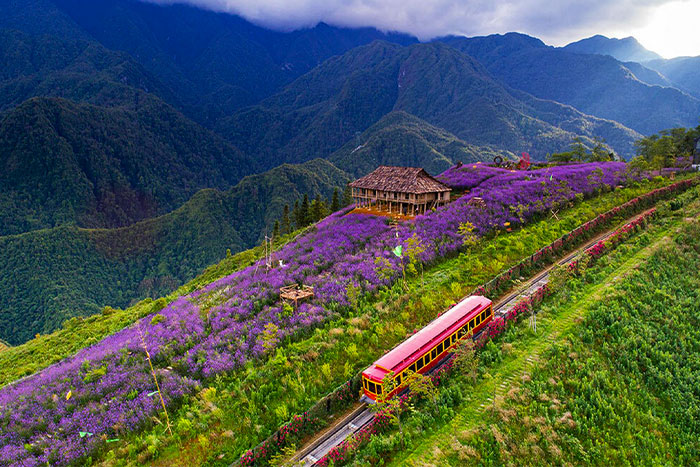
x=48, y=276
x=114, y=114
x=215, y=63
x=627, y=49
x=684, y=72
x=327, y=107
x=681, y=72
x=105, y=167
x=402, y=139
x=83, y=71
x=595, y=84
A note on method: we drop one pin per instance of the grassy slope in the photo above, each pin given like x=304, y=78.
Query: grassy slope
x=42, y=272
x=80, y=332
x=259, y=395
x=520, y=430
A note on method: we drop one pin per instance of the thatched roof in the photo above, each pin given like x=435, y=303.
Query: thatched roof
x=400, y=179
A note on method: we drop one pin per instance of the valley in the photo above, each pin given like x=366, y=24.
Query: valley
x=218, y=219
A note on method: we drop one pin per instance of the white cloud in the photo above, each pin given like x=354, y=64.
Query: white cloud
x=672, y=29
x=554, y=21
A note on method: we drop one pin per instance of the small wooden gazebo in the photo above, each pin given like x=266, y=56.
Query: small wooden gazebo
x=399, y=190
x=296, y=293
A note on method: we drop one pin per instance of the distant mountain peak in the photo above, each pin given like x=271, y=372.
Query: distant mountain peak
x=627, y=49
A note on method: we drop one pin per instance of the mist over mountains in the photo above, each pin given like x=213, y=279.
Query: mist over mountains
x=116, y=115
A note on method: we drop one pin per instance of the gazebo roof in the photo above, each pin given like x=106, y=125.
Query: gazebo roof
x=400, y=179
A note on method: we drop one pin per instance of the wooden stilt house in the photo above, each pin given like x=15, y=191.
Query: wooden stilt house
x=407, y=191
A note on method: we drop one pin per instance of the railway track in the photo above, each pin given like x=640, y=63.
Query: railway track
x=362, y=415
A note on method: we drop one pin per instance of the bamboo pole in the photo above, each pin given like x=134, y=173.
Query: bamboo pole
x=153, y=372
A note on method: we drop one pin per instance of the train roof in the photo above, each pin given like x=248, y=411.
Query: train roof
x=400, y=356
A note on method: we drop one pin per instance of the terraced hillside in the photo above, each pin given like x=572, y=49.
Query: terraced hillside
x=271, y=324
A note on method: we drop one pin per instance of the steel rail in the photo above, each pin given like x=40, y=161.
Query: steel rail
x=362, y=415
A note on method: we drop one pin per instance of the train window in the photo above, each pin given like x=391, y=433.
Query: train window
x=433, y=354
x=453, y=339
x=471, y=325
x=440, y=348
x=372, y=387
x=413, y=367
x=462, y=332
x=379, y=388
x=398, y=380
x=419, y=363
x=364, y=383
x=477, y=321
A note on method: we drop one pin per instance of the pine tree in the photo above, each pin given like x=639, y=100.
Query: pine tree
x=335, y=203
x=304, y=213
x=347, y=196
x=578, y=150
x=296, y=215
x=318, y=209
x=276, y=230
x=286, y=226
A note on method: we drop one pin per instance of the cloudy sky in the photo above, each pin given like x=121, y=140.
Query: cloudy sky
x=664, y=26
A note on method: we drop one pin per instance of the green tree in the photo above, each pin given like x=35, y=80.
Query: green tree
x=286, y=226
x=383, y=268
x=347, y=196
x=422, y=386
x=414, y=248
x=665, y=148
x=466, y=231
x=335, y=203
x=318, y=209
x=276, y=230
x=465, y=360
x=567, y=156
x=637, y=165
x=578, y=150
x=600, y=152
x=391, y=406
x=304, y=212
x=269, y=336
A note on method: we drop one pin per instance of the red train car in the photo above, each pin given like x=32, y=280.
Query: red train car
x=423, y=350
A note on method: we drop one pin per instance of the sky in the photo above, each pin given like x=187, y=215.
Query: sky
x=663, y=26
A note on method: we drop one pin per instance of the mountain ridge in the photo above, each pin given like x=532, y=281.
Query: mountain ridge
x=105, y=167
x=627, y=49
x=327, y=107
x=594, y=84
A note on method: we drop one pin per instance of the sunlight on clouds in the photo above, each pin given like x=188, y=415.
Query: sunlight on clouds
x=664, y=26
x=672, y=29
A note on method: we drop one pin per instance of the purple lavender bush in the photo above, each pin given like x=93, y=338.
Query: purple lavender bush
x=107, y=390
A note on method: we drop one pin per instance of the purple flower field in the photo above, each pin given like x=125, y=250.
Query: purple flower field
x=468, y=176
x=107, y=389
